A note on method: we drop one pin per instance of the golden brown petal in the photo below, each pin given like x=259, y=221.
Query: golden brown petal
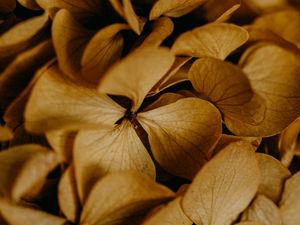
x=101, y=151
x=173, y=8
x=30, y=4
x=20, y=215
x=24, y=169
x=224, y=186
x=136, y=74
x=215, y=39
x=290, y=201
x=170, y=214
x=182, y=134
x=266, y=6
x=56, y=103
x=288, y=142
x=120, y=197
x=263, y=210
x=102, y=51
x=5, y=133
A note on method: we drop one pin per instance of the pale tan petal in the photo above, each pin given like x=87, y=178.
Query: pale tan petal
x=170, y=214
x=20, y=215
x=263, y=210
x=290, y=201
x=15, y=78
x=273, y=176
x=173, y=8
x=224, y=186
x=102, y=51
x=56, y=103
x=67, y=195
x=215, y=39
x=182, y=134
x=118, y=198
x=70, y=39
x=30, y=4
x=24, y=169
x=285, y=23
x=278, y=82
x=62, y=143
x=5, y=133
x=136, y=74
x=7, y=6
x=288, y=142
x=101, y=151
x=229, y=89
x=249, y=223
x=126, y=10
x=161, y=29
x=22, y=36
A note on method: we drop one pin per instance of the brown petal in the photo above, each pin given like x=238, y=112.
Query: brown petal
x=136, y=74
x=7, y=6
x=215, y=39
x=118, y=198
x=70, y=39
x=249, y=223
x=125, y=9
x=290, y=201
x=68, y=196
x=266, y=6
x=101, y=151
x=288, y=142
x=273, y=176
x=173, y=8
x=229, y=89
x=161, y=29
x=224, y=186
x=24, y=169
x=102, y=51
x=281, y=93
x=182, y=134
x=263, y=210
x=30, y=4
x=56, y=103
x=170, y=214
x=12, y=43
x=164, y=100
x=5, y=134
x=20, y=215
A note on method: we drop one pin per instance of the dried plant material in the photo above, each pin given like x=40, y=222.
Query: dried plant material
x=165, y=99
x=249, y=223
x=263, y=210
x=69, y=39
x=161, y=29
x=173, y=8
x=135, y=75
x=82, y=9
x=224, y=186
x=188, y=141
x=30, y=4
x=285, y=23
x=62, y=143
x=126, y=10
x=169, y=214
x=24, y=169
x=290, y=201
x=7, y=6
x=102, y=51
x=215, y=39
x=63, y=105
x=273, y=176
x=5, y=134
x=17, y=75
x=67, y=195
x=228, y=139
x=266, y=5
x=229, y=89
x=118, y=198
x=20, y=215
x=280, y=92
x=102, y=151
x=21, y=37
x=214, y=11
x=288, y=142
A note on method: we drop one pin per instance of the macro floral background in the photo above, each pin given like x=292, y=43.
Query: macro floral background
x=154, y=112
